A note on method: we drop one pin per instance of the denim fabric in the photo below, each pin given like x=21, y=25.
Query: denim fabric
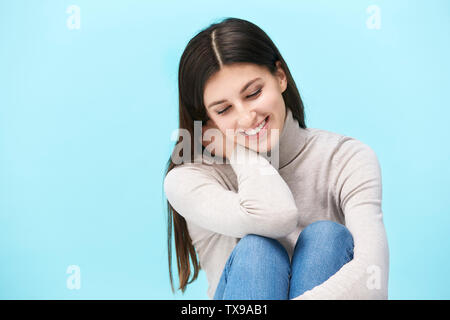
x=258, y=268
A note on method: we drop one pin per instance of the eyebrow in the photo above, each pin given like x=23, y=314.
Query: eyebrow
x=242, y=90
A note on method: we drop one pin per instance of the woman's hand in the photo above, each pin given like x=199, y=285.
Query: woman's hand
x=220, y=146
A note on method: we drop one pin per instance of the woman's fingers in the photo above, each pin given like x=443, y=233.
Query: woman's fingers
x=215, y=141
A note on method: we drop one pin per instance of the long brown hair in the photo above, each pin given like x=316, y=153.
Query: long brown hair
x=230, y=41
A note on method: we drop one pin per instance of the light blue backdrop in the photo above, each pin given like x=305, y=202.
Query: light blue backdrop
x=86, y=116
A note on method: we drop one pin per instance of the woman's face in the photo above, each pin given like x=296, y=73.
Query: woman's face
x=241, y=96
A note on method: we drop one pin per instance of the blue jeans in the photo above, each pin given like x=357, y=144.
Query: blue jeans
x=258, y=268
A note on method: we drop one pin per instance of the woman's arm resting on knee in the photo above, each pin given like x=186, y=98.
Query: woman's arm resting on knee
x=358, y=182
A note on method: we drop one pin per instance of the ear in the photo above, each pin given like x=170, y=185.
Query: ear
x=282, y=80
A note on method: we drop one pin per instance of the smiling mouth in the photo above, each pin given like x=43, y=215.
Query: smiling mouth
x=254, y=132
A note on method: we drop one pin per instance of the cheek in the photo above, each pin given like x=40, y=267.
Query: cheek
x=224, y=125
x=272, y=101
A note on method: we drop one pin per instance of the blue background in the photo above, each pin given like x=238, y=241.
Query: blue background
x=86, y=116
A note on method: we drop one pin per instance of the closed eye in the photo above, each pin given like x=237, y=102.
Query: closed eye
x=249, y=96
x=255, y=93
x=224, y=110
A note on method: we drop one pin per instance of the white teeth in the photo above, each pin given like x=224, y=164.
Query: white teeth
x=252, y=132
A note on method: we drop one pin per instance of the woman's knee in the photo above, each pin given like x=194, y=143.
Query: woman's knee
x=259, y=249
x=322, y=248
x=329, y=232
x=258, y=268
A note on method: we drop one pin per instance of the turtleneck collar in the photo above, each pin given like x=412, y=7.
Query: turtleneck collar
x=291, y=142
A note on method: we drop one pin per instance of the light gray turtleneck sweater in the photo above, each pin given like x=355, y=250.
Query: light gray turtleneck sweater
x=321, y=175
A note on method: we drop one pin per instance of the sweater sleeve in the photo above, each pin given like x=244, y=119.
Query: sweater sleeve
x=359, y=192
x=263, y=205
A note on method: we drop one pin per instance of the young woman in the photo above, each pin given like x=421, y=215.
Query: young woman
x=312, y=228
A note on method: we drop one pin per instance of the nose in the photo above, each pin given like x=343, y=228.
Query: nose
x=246, y=119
